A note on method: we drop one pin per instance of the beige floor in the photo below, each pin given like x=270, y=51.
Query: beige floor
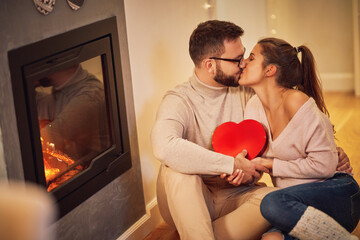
x=344, y=111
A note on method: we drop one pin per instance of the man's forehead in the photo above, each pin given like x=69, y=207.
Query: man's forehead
x=234, y=45
x=232, y=40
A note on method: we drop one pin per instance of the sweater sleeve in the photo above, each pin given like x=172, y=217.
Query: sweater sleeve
x=172, y=149
x=312, y=134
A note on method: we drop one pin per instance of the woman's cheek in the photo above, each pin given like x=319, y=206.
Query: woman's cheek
x=242, y=80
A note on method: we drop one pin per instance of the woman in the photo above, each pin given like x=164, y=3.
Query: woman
x=302, y=152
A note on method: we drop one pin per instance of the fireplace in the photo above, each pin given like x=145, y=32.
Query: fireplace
x=70, y=111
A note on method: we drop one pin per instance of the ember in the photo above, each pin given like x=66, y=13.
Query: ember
x=58, y=167
x=62, y=179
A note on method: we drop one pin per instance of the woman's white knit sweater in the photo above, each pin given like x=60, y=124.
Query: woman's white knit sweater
x=305, y=151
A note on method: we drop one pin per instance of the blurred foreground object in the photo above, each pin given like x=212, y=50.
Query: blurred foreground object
x=26, y=212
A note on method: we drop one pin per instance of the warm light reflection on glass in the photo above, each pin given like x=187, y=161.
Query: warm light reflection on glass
x=54, y=165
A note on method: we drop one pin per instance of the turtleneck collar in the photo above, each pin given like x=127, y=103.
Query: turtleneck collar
x=205, y=89
x=78, y=76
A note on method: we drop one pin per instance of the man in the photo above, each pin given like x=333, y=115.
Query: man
x=73, y=115
x=191, y=195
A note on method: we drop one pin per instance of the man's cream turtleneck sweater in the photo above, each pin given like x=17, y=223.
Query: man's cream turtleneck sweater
x=185, y=122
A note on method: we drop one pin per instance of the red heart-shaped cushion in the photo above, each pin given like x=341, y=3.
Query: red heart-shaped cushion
x=231, y=138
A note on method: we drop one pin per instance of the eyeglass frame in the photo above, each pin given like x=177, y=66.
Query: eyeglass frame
x=231, y=60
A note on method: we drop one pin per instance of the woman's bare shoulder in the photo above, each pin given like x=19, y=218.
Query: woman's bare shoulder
x=293, y=101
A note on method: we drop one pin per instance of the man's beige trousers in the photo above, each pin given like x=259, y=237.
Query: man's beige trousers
x=209, y=208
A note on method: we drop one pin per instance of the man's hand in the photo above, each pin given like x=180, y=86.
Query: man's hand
x=236, y=178
x=245, y=171
x=344, y=162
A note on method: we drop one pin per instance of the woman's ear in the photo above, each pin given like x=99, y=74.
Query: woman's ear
x=270, y=70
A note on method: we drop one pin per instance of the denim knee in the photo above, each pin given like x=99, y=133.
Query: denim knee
x=281, y=210
x=270, y=206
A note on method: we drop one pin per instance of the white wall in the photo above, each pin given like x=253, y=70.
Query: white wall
x=326, y=27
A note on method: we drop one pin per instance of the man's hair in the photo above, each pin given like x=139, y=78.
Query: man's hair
x=207, y=40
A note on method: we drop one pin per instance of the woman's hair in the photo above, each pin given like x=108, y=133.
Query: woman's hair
x=207, y=40
x=291, y=73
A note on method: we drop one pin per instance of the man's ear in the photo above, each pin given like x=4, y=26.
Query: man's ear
x=270, y=70
x=209, y=65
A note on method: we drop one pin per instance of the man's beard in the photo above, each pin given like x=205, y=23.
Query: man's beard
x=226, y=80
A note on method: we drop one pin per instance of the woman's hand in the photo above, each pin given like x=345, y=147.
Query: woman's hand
x=266, y=162
x=344, y=162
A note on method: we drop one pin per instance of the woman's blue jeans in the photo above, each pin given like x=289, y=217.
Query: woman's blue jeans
x=339, y=197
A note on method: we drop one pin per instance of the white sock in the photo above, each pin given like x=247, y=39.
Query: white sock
x=316, y=225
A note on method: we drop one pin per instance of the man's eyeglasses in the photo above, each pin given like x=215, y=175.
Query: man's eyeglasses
x=238, y=61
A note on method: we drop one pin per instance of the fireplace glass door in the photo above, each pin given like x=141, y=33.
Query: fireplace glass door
x=73, y=120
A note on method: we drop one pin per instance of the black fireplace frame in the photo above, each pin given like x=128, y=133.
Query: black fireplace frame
x=47, y=56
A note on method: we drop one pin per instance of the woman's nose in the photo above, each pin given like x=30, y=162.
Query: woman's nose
x=242, y=63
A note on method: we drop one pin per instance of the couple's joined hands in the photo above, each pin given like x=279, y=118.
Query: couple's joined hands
x=245, y=171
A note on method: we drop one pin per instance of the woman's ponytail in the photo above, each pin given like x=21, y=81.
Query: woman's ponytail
x=310, y=83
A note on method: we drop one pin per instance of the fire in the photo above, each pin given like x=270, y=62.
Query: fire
x=60, y=180
x=56, y=166
x=51, y=173
x=60, y=157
